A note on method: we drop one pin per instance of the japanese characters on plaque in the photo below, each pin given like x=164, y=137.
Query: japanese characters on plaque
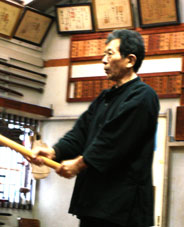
x=167, y=84
x=158, y=11
x=87, y=48
x=164, y=41
x=8, y=18
x=74, y=18
x=113, y=14
x=33, y=27
x=153, y=42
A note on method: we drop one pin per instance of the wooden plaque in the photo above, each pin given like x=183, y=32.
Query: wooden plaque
x=9, y=16
x=158, y=12
x=74, y=18
x=179, y=134
x=33, y=26
x=110, y=15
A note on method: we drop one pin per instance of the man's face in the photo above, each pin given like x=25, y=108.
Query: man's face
x=114, y=63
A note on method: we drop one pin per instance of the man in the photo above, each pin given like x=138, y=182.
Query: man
x=110, y=147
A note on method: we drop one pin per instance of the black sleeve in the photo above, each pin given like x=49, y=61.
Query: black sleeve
x=72, y=144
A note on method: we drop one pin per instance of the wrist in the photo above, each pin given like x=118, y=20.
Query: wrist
x=80, y=163
x=53, y=153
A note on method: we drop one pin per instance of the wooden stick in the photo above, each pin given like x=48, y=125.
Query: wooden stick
x=11, y=91
x=26, y=152
x=20, y=76
x=40, y=90
x=23, y=69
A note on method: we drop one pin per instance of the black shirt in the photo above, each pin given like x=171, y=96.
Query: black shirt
x=116, y=138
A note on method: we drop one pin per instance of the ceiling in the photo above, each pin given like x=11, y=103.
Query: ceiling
x=45, y=5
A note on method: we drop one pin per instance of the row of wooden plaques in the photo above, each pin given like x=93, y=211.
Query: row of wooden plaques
x=166, y=85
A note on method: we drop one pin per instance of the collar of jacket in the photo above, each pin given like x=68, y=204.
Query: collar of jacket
x=110, y=93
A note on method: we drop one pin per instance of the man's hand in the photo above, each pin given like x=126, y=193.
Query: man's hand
x=70, y=168
x=41, y=151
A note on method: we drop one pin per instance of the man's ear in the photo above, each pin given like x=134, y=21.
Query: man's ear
x=131, y=60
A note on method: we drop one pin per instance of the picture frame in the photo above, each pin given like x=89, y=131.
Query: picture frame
x=158, y=13
x=110, y=16
x=33, y=26
x=10, y=14
x=74, y=18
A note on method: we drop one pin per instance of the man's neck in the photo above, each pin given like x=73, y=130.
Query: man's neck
x=126, y=79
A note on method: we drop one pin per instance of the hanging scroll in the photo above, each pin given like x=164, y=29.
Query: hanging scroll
x=158, y=12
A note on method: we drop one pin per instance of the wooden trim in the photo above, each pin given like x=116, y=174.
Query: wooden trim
x=80, y=99
x=169, y=96
x=25, y=107
x=174, y=73
x=87, y=78
x=69, y=74
x=56, y=62
x=101, y=35
x=183, y=63
x=83, y=99
x=163, y=29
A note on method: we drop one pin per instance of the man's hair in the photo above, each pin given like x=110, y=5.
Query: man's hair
x=131, y=42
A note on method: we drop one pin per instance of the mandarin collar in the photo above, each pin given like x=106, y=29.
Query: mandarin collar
x=115, y=90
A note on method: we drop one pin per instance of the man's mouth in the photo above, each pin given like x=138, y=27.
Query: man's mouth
x=106, y=71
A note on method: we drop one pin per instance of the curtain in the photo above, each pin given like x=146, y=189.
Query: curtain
x=17, y=187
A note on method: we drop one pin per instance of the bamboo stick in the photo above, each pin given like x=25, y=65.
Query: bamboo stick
x=26, y=152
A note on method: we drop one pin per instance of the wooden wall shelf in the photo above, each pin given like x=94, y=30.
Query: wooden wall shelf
x=6, y=103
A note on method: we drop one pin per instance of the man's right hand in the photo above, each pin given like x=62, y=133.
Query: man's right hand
x=39, y=151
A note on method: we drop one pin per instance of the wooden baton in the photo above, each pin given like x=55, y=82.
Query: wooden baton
x=26, y=152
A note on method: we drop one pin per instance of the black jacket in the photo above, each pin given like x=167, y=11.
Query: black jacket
x=116, y=138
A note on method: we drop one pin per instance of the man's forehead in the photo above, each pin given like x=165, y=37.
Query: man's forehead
x=113, y=45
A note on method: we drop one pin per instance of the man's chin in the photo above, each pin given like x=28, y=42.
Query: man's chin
x=111, y=77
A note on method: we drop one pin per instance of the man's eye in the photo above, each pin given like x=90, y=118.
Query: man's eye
x=110, y=53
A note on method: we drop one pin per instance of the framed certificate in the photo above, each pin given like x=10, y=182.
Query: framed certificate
x=9, y=16
x=158, y=13
x=110, y=15
x=33, y=26
x=74, y=18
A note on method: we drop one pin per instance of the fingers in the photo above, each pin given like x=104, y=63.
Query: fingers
x=65, y=172
x=38, y=152
x=37, y=160
x=68, y=168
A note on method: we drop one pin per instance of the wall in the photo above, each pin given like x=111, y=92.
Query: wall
x=54, y=192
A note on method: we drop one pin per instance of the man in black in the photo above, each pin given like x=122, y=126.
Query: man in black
x=110, y=148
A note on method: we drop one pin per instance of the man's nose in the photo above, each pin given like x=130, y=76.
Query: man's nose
x=104, y=59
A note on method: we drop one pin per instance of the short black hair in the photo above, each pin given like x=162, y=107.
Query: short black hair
x=131, y=42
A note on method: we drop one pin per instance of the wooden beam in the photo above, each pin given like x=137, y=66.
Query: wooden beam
x=56, y=62
x=25, y=107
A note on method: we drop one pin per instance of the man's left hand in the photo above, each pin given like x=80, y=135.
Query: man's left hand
x=70, y=168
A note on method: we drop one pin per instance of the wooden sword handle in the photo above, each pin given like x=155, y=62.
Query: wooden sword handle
x=26, y=152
